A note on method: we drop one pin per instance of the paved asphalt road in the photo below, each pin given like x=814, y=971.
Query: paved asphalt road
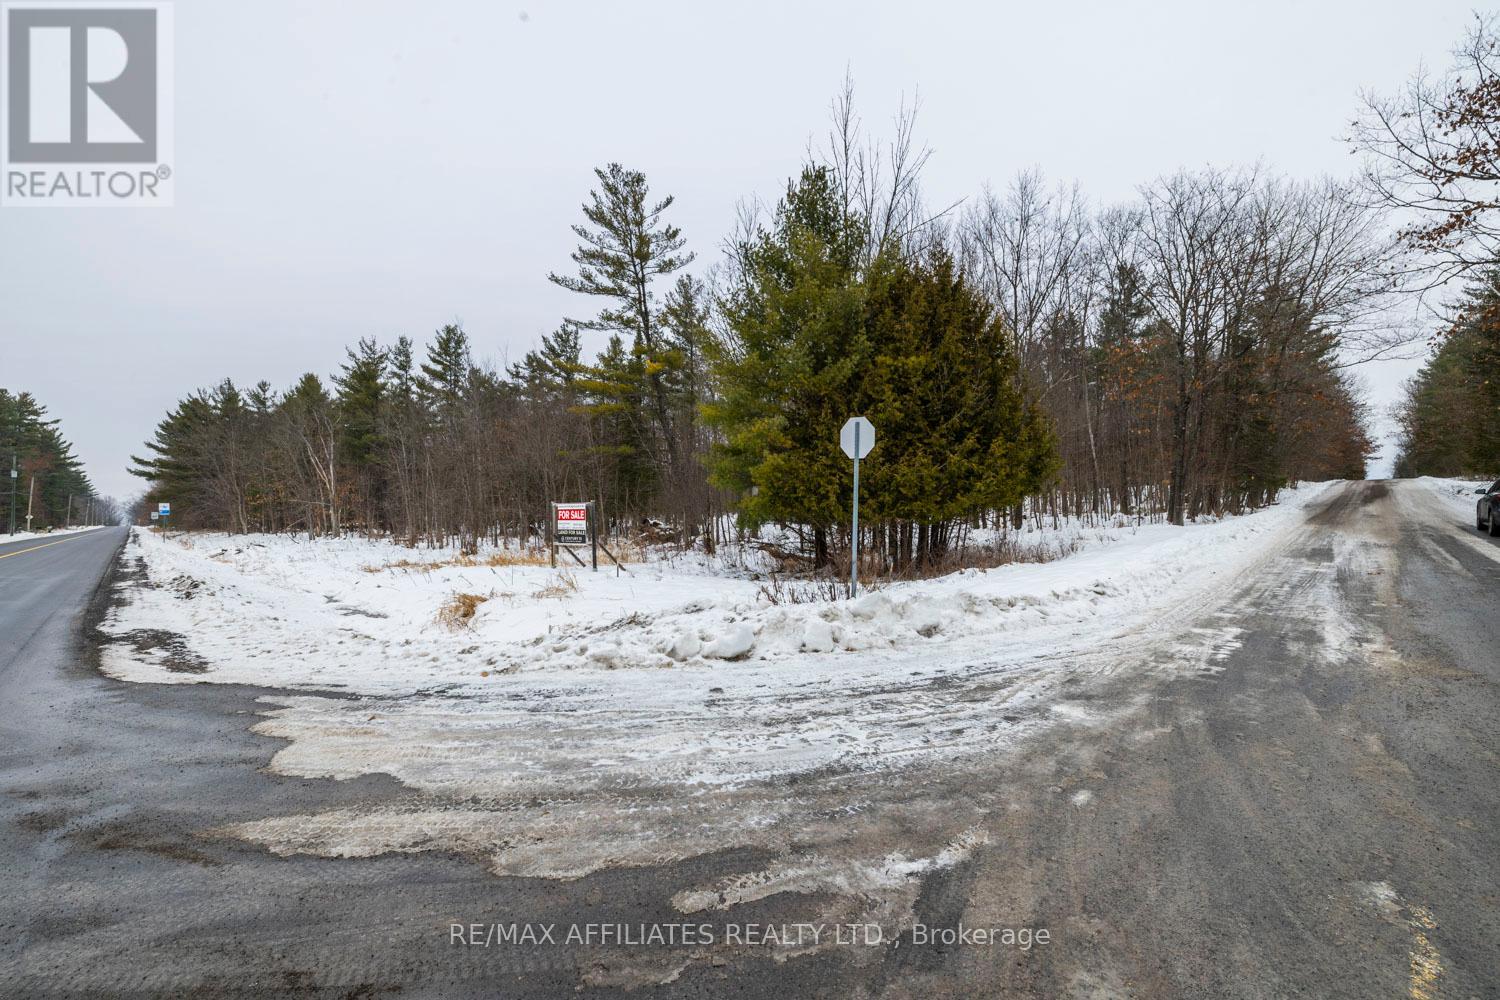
x=1313, y=812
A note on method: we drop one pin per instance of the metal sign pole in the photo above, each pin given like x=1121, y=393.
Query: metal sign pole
x=854, y=531
x=857, y=439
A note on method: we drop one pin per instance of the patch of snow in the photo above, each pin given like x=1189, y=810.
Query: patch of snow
x=734, y=643
x=1457, y=496
x=848, y=877
x=1381, y=897
x=685, y=646
x=817, y=636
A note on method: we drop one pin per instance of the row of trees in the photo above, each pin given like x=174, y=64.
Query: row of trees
x=1446, y=418
x=436, y=446
x=1169, y=358
x=1189, y=348
x=1432, y=154
x=49, y=482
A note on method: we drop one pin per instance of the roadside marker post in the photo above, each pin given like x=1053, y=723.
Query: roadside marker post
x=164, y=510
x=594, y=538
x=857, y=438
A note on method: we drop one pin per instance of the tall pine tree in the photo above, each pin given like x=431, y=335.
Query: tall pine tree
x=625, y=246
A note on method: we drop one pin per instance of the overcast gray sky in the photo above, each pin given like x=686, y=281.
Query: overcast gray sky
x=384, y=168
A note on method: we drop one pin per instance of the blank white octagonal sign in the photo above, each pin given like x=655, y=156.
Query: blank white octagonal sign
x=866, y=436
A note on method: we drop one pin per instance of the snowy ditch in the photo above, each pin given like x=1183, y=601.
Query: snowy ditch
x=581, y=721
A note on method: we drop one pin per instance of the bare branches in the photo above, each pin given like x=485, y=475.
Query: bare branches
x=880, y=185
x=1172, y=339
x=1029, y=250
x=1432, y=153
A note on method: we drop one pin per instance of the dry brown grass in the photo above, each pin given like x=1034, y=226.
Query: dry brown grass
x=625, y=550
x=503, y=557
x=560, y=586
x=458, y=610
x=808, y=588
x=781, y=590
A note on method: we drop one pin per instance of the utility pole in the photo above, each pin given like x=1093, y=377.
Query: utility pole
x=68, y=521
x=30, y=495
x=15, y=444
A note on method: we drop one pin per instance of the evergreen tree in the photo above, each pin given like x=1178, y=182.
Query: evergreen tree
x=958, y=437
x=552, y=370
x=404, y=427
x=48, y=473
x=1452, y=404
x=625, y=247
x=361, y=403
x=684, y=324
x=815, y=339
x=401, y=379
x=787, y=374
x=619, y=431
x=177, y=467
x=446, y=374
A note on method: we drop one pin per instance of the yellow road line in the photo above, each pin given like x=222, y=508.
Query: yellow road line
x=22, y=552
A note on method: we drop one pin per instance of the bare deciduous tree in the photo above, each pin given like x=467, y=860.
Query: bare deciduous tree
x=1432, y=153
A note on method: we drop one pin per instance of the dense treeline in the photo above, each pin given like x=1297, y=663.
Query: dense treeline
x=1170, y=358
x=1446, y=420
x=1187, y=348
x=49, y=482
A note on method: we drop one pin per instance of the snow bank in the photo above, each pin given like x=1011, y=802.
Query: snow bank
x=364, y=616
x=21, y=536
x=1457, y=495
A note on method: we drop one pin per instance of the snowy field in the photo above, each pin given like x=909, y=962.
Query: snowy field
x=579, y=721
x=367, y=616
